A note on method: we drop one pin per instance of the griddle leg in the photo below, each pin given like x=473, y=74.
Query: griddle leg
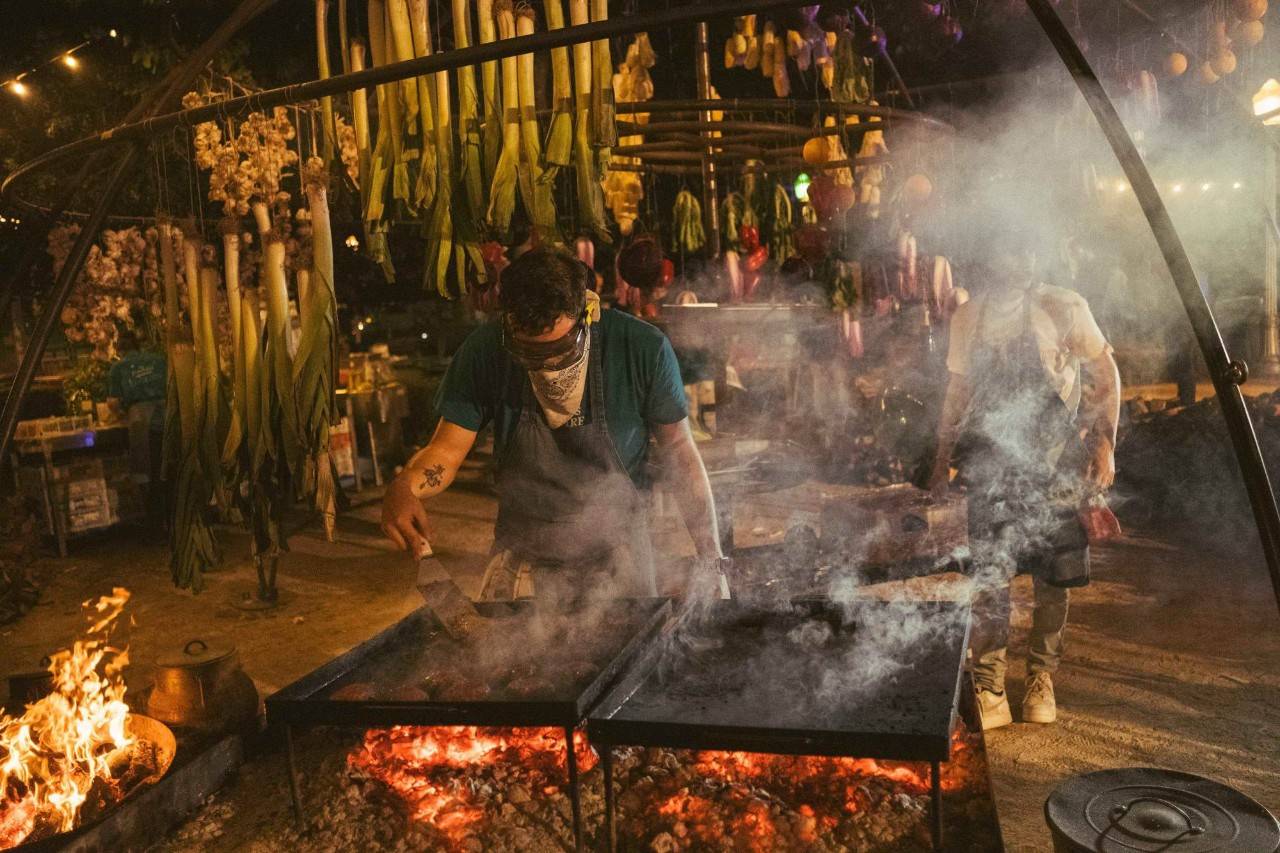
x=294, y=794
x=610, y=824
x=935, y=811
x=575, y=797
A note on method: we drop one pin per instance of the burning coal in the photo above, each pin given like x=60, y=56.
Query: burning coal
x=67, y=750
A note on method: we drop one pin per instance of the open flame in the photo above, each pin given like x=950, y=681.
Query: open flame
x=52, y=756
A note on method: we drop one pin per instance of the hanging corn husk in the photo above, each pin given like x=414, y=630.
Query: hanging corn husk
x=541, y=203
x=623, y=190
x=590, y=195
x=560, y=138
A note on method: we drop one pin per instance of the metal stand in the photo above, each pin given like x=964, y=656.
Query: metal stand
x=935, y=804
x=610, y=823
x=575, y=795
x=294, y=794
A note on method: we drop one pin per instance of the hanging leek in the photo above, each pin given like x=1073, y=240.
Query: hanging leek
x=604, y=128
x=502, y=194
x=425, y=189
x=491, y=129
x=590, y=196
x=322, y=67
x=467, y=218
x=385, y=159
x=315, y=368
x=541, y=200
x=560, y=138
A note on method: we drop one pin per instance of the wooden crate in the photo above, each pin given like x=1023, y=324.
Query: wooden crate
x=880, y=525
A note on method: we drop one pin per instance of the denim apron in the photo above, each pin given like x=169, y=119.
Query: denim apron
x=571, y=521
x=1022, y=461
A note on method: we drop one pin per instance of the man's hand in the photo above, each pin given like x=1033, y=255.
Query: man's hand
x=404, y=519
x=1101, y=472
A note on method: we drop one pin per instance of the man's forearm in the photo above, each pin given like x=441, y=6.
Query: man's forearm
x=429, y=472
x=1101, y=407
x=953, y=407
x=693, y=493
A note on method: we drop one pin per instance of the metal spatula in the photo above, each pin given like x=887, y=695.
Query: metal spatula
x=454, y=610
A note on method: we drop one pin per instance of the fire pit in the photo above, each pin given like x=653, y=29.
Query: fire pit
x=535, y=668
x=77, y=753
x=872, y=680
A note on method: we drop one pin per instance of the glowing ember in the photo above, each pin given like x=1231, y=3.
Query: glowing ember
x=62, y=745
x=466, y=788
x=426, y=767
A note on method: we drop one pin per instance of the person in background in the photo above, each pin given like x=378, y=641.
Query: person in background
x=574, y=394
x=137, y=385
x=1035, y=391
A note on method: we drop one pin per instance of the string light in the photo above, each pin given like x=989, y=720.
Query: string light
x=112, y=32
x=67, y=58
x=1177, y=188
x=1205, y=187
x=1121, y=186
x=1236, y=185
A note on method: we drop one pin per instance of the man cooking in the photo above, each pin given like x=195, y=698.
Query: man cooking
x=574, y=394
x=1035, y=391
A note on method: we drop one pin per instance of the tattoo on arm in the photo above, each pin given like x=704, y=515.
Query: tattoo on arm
x=432, y=477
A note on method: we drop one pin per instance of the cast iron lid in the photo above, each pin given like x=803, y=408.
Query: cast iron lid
x=1147, y=809
x=197, y=653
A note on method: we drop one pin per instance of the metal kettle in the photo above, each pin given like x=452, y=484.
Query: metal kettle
x=203, y=687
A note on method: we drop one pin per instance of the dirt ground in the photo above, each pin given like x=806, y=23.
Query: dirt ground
x=1173, y=656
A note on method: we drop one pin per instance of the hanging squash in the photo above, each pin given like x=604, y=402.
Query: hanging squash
x=1247, y=33
x=1175, y=64
x=1249, y=10
x=1223, y=62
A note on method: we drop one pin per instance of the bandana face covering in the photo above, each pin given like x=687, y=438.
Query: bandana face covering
x=559, y=390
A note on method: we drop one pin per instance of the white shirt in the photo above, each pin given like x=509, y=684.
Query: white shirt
x=1060, y=320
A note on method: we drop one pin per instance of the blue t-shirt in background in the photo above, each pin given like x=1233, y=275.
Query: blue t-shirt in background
x=642, y=386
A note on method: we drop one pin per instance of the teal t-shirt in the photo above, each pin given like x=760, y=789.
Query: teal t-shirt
x=140, y=377
x=642, y=386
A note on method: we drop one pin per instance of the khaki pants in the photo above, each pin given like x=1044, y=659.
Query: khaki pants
x=991, y=611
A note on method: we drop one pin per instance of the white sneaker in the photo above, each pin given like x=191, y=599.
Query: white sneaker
x=993, y=708
x=1039, y=706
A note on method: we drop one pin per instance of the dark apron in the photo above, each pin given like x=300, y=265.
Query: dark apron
x=1022, y=461
x=565, y=500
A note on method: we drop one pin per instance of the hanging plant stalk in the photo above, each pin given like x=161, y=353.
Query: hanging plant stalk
x=385, y=158
x=468, y=218
x=543, y=209
x=604, y=128
x=322, y=67
x=590, y=196
x=468, y=117
x=560, y=139
x=502, y=194
x=491, y=129
x=343, y=39
x=279, y=363
x=316, y=367
x=442, y=221
x=213, y=426
x=425, y=189
x=231, y=265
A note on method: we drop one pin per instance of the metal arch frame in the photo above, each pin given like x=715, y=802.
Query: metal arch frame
x=1227, y=374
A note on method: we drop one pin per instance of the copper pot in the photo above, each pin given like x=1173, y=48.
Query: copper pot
x=203, y=687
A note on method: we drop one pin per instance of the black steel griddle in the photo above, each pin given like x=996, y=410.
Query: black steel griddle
x=372, y=681
x=872, y=680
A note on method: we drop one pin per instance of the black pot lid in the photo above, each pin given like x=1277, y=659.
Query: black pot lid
x=1146, y=809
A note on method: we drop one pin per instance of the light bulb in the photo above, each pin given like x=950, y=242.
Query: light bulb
x=1236, y=185
x=1205, y=187
x=19, y=88
x=70, y=61
x=1177, y=188
x=112, y=32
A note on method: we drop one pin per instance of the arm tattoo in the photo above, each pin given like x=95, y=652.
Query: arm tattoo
x=433, y=476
